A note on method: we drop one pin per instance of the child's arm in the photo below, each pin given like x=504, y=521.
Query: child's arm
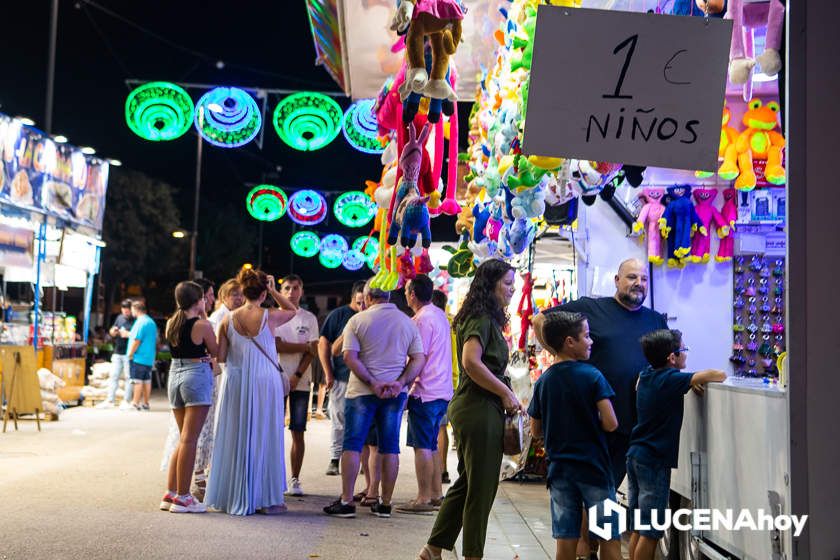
x=608, y=420
x=536, y=428
x=699, y=379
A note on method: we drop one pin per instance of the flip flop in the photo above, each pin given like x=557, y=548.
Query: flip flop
x=427, y=554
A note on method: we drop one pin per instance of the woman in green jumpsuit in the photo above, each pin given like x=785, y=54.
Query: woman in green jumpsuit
x=477, y=412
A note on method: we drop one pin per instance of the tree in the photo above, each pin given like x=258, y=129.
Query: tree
x=140, y=215
x=227, y=239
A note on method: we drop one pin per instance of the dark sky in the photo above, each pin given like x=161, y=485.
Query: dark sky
x=262, y=44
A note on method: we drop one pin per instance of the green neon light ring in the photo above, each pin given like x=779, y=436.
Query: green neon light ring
x=307, y=121
x=369, y=247
x=266, y=203
x=330, y=259
x=159, y=111
x=354, y=209
x=305, y=243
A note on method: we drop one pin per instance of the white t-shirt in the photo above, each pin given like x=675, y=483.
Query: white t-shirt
x=301, y=329
x=384, y=337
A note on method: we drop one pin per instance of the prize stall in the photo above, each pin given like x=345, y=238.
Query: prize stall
x=52, y=203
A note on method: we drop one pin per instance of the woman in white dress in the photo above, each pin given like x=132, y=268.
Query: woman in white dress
x=247, y=472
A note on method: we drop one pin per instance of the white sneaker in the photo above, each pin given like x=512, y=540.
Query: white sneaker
x=125, y=405
x=295, y=489
x=105, y=404
x=186, y=504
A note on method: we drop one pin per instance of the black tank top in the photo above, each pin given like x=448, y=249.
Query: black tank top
x=187, y=349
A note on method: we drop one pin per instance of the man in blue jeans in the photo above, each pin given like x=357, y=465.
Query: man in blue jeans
x=142, y=349
x=119, y=361
x=377, y=342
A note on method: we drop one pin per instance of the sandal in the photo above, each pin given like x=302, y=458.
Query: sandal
x=273, y=510
x=369, y=501
x=359, y=497
x=427, y=554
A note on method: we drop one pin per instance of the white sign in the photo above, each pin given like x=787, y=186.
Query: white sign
x=625, y=87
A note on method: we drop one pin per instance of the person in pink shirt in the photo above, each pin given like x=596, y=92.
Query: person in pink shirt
x=429, y=396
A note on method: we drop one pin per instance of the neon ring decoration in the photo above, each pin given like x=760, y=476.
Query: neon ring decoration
x=330, y=260
x=305, y=243
x=360, y=127
x=334, y=243
x=354, y=209
x=353, y=260
x=227, y=117
x=159, y=111
x=307, y=207
x=370, y=251
x=267, y=203
x=307, y=121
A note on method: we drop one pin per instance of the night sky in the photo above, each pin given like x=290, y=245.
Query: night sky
x=266, y=44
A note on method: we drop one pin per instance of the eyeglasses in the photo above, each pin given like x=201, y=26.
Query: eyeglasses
x=683, y=349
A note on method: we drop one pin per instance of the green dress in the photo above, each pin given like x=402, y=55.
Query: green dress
x=477, y=418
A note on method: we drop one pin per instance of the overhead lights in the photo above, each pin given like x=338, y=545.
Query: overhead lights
x=60, y=139
x=25, y=121
x=88, y=151
x=114, y=162
x=179, y=234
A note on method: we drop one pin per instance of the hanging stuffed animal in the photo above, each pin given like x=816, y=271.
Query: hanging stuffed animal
x=648, y=222
x=525, y=309
x=745, y=17
x=758, y=142
x=441, y=21
x=410, y=216
x=729, y=213
x=678, y=223
x=708, y=214
x=728, y=137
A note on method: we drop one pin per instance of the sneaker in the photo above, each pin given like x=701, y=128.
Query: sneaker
x=332, y=470
x=295, y=488
x=166, y=501
x=416, y=508
x=380, y=510
x=338, y=509
x=105, y=404
x=145, y=406
x=126, y=405
x=186, y=504
x=444, y=478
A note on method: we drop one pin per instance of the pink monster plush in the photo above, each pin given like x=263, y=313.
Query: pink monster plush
x=729, y=212
x=701, y=244
x=648, y=221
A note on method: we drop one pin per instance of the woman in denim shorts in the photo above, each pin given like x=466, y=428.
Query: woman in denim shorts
x=193, y=342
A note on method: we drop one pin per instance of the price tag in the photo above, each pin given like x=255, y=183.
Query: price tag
x=625, y=87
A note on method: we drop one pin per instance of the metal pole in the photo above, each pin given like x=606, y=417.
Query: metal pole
x=194, y=234
x=260, y=256
x=51, y=67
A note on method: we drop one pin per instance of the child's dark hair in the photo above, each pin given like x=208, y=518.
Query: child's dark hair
x=560, y=324
x=658, y=345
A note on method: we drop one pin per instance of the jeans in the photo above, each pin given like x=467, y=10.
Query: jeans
x=119, y=366
x=298, y=410
x=190, y=383
x=424, y=420
x=648, y=489
x=567, y=494
x=362, y=412
x=336, y=409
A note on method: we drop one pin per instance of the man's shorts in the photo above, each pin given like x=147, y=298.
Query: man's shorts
x=567, y=495
x=424, y=422
x=362, y=412
x=298, y=410
x=140, y=373
x=648, y=489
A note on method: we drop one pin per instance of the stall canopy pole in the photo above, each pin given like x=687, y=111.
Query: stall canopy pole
x=194, y=235
x=89, y=295
x=42, y=250
x=51, y=67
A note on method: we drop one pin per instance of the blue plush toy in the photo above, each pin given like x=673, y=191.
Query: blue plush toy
x=481, y=214
x=678, y=224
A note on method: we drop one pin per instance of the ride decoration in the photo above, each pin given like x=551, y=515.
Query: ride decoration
x=360, y=127
x=266, y=203
x=307, y=207
x=354, y=209
x=307, y=121
x=305, y=243
x=159, y=111
x=228, y=117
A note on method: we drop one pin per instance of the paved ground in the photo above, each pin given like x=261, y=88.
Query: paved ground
x=88, y=487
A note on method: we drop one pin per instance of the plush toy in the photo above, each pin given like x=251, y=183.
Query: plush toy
x=410, y=216
x=441, y=21
x=462, y=261
x=728, y=137
x=678, y=223
x=411, y=105
x=515, y=237
x=708, y=214
x=729, y=213
x=648, y=222
x=590, y=177
x=525, y=309
x=529, y=203
x=758, y=141
x=745, y=17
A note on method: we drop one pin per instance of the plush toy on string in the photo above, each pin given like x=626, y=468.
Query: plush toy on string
x=648, y=222
x=759, y=141
x=729, y=213
x=708, y=214
x=525, y=309
x=745, y=17
x=678, y=223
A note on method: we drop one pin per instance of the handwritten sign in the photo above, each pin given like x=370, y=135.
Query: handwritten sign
x=625, y=87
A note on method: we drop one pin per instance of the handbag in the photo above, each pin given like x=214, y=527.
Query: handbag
x=286, y=384
x=513, y=435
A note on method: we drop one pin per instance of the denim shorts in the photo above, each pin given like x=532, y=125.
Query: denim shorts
x=424, y=422
x=190, y=384
x=371, y=438
x=567, y=495
x=139, y=373
x=386, y=414
x=298, y=410
x=648, y=489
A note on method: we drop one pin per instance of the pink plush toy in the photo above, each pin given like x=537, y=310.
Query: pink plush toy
x=648, y=221
x=729, y=212
x=701, y=244
x=745, y=17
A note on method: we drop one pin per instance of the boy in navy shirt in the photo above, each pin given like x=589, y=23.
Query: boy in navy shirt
x=655, y=441
x=571, y=409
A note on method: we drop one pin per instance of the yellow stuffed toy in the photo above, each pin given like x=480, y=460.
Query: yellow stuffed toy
x=759, y=141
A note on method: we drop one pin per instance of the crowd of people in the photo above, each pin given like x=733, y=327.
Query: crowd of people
x=610, y=406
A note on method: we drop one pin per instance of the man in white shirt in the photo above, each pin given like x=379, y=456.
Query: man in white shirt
x=297, y=345
x=383, y=350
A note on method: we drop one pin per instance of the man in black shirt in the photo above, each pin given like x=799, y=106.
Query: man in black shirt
x=119, y=361
x=615, y=325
